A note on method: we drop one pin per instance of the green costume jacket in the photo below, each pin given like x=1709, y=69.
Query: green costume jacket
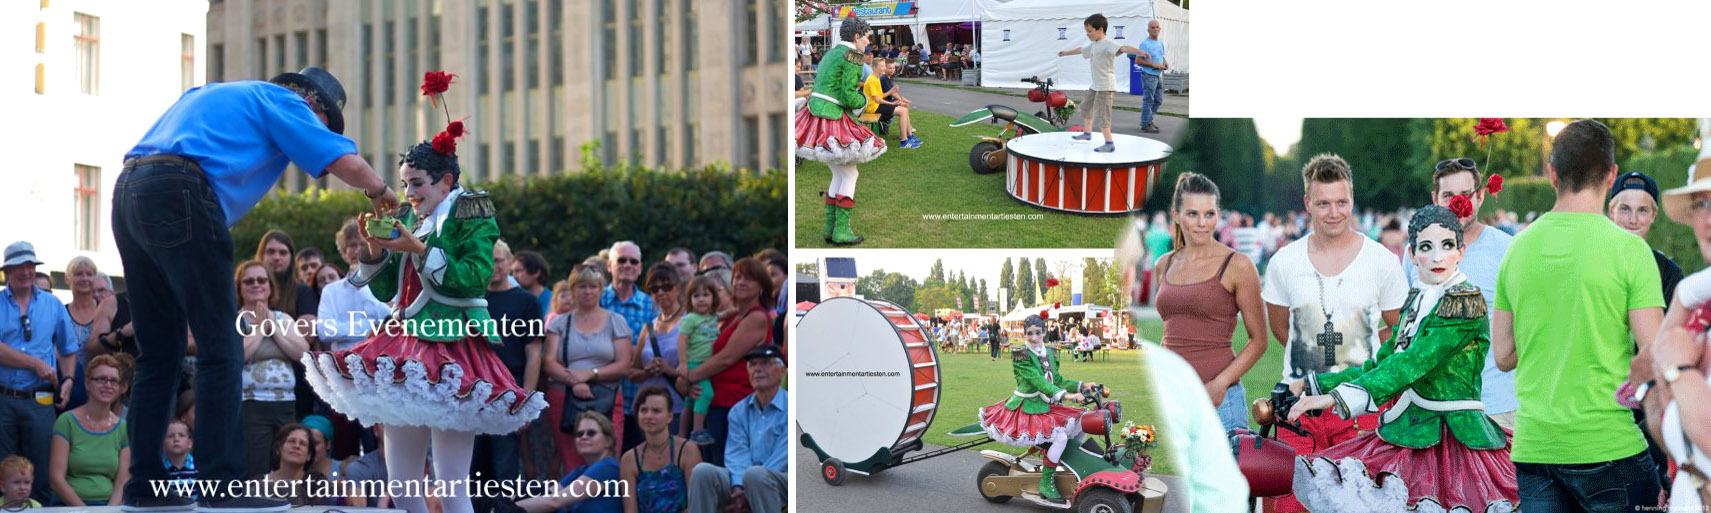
x=454, y=271
x=837, y=84
x=1037, y=379
x=1434, y=375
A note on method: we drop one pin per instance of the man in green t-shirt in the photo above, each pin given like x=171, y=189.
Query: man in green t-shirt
x=1570, y=292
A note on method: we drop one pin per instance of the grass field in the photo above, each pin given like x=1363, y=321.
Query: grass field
x=898, y=192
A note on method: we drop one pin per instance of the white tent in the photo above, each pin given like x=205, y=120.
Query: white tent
x=927, y=13
x=1021, y=38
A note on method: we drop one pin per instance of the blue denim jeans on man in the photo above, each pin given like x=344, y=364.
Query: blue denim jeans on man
x=26, y=429
x=1233, y=411
x=1627, y=484
x=1152, y=95
x=177, y=251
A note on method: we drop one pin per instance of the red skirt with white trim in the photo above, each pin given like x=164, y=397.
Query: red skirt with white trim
x=1368, y=474
x=835, y=141
x=1015, y=427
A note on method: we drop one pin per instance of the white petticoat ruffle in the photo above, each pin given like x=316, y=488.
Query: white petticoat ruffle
x=1324, y=486
x=416, y=401
x=831, y=152
x=1069, y=430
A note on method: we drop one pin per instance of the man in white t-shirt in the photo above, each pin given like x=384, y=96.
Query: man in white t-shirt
x=1334, y=291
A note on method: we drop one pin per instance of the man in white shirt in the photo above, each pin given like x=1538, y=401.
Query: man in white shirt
x=347, y=313
x=1330, y=298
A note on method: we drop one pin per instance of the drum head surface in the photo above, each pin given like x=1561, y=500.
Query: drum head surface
x=1061, y=148
x=854, y=378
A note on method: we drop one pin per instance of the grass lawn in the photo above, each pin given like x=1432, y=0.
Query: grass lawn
x=1258, y=381
x=973, y=381
x=897, y=193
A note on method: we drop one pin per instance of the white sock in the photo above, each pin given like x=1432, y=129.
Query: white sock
x=406, y=454
x=452, y=451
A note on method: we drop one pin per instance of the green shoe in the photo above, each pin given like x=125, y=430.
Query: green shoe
x=831, y=218
x=1048, y=486
x=841, y=233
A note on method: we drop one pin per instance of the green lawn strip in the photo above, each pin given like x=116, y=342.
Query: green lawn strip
x=1258, y=381
x=973, y=381
x=1022, y=95
x=897, y=189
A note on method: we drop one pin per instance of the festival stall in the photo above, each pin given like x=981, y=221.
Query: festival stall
x=1020, y=38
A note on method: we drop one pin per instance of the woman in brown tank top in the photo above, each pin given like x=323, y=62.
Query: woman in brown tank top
x=1202, y=286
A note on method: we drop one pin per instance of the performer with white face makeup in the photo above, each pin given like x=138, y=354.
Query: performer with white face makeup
x=1431, y=367
x=1031, y=415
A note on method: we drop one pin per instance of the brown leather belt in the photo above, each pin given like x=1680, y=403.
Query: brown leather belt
x=156, y=159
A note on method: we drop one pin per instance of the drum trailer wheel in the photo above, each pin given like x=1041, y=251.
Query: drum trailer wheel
x=991, y=468
x=1103, y=500
x=832, y=471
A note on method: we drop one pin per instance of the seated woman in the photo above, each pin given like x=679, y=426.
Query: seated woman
x=658, y=468
x=1430, y=367
x=294, y=452
x=595, y=442
x=91, y=454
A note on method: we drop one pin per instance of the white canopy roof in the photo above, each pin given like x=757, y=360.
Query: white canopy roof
x=1020, y=38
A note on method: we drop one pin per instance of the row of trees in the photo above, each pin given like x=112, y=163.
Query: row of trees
x=954, y=289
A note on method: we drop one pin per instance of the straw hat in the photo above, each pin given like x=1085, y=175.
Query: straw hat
x=1677, y=202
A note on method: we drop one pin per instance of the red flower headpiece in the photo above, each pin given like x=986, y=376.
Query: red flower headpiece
x=1051, y=282
x=1488, y=126
x=1057, y=305
x=434, y=86
x=1494, y=184
x=1044, y=315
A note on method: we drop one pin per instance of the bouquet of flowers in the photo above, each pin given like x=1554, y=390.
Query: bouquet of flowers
x=1138, y=441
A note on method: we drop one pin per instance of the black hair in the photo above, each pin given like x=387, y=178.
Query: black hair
x=1431, y=215
x=1097, y=21
x=1583, y=152
x=852, y=29
x=423, y=156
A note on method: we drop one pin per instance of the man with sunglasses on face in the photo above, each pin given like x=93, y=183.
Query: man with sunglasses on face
x=637, y=308
x=1484, y=254
x=36, y=348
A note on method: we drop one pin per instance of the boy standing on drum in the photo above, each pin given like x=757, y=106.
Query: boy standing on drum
x=1031, y=415
x=1101, y=56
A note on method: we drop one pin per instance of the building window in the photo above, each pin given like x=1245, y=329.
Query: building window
x=609, y=39
x=558, y=155
x=259, y=57
x=555, y=46
x=662, y=26
x=751, y=142
x=321, y=47
x=389, y=93
x=691, y=31
x=189, y=61
x=216, y=63
x=88, y=208
x=750, y=32
x=532, y=53
x=367, y=58
x=300, y=47
x=781, y=139
x=88, y=53
x=412, y=43
x=777, y=24
x=507, y=47
x=279, y=55
x=434, y=43
x=636, y=63
x=482, y=47
x=41, y=37
x=533, y=165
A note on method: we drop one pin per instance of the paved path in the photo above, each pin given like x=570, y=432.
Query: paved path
x=944, y=484
x=932, y=96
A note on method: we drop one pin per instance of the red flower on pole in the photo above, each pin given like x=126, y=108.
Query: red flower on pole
x=1043, y=315
x=1057, y=305
x=1462, y=206
x=1051, y=282
x=1486, y=127
x=1494, y=184
x=436, y=82
x=445, y=143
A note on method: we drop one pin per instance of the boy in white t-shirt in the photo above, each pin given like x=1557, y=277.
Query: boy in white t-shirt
x=1331, y=298
x=1101, y=56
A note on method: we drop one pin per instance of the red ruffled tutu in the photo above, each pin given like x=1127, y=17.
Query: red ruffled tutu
x=1368, y=474
x=1015, y=427
x=835, y=141
x=397, y=379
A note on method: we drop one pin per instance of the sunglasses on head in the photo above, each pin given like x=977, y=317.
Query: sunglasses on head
x=711, y=270
x=1459, y=163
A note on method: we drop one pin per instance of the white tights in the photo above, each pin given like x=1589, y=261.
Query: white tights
x=1054, y=453
x=406, y=454
x=843, y=180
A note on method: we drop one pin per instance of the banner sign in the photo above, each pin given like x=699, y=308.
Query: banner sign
x=880, y=9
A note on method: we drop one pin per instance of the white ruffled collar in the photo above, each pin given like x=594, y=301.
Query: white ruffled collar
x=1429, y=297
x=442, y=211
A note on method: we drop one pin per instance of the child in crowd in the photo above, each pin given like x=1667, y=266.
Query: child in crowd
x=180, y=464
x=697, y=332
x=1101, y=54
x=17, y=475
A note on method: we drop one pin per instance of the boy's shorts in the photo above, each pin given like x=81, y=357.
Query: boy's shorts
x=1098, y=109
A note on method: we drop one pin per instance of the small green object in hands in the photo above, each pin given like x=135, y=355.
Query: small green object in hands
x=383, y=227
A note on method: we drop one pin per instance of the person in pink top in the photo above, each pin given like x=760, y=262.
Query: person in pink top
x=1202, y=286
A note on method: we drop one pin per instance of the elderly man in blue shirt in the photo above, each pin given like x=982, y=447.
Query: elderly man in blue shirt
x=37, y=351
x=755, y=449
x=1152, y=69
x=625, y=298
x=200, y=168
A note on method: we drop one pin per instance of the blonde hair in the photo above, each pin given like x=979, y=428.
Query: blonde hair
x=587, y=274
x=1326, y=168
x=78, y=262
x=18, y=464
x=502, y=247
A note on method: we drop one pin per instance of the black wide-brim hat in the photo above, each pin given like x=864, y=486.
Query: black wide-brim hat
x=327, y=89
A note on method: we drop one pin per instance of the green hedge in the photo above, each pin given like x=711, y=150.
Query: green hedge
x=573, y=216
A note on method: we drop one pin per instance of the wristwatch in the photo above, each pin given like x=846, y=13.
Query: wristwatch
x=1672, y=374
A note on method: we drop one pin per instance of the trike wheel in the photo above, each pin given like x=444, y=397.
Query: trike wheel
x=991, y=468
x=1103, y=500
x=985, y=157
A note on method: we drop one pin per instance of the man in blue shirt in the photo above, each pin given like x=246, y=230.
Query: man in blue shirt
x=756, y=447
x=37, y=350
x=1152, y=67
x=624, y=298
x=200, y=168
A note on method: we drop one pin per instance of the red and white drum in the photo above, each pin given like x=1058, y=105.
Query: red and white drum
x=1055, y=171
x=873, y=373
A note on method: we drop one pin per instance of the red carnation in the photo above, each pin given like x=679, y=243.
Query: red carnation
x=1043, y=314
x=1494, y=184
x=455, y=129
x=436, y=82
x=445, y=144
x=1051, y=282
x=1488, y=126
x=1462, y=206
x=1057, y=305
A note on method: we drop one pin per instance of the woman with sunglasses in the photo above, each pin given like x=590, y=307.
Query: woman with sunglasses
x=1032, y=415
x=270, y=345
x=91, y=454
x=595, y=443
x=746, y=326
x=656, y=359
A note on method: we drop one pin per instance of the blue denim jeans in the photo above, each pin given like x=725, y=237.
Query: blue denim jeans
x=1233, y=412
x=177, y=252
x=1152, y=95
x=1626, y=485
x=26, y=429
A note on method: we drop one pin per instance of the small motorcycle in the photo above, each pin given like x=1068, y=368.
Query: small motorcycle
x=988, y=155
x=1093, y=477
